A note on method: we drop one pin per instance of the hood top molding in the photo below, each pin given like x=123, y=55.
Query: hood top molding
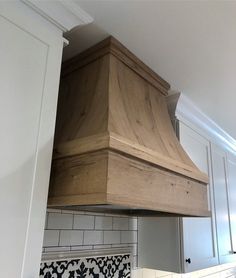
x=112, y=46
x=115, y=148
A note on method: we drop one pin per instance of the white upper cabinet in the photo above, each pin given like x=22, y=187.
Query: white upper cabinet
x=30, y=54
x=199, y=238
x=196, y=243
x=186, y=244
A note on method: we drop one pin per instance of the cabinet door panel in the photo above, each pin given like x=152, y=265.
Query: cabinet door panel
x=21, y=92
x=199, y=240
x=30, y=55
x=221, y=203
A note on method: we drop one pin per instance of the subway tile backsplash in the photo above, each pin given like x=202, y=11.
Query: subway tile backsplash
x=85, y=231
x=59, y=221
x=83, y=222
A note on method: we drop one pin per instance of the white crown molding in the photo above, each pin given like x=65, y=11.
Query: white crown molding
x=186, y=111
x=65, y=14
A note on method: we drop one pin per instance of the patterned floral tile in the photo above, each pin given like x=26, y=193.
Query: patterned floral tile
x=115, y=266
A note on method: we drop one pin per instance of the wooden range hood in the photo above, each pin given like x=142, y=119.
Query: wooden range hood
x=115, y=149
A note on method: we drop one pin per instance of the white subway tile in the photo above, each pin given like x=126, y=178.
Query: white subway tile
x=120, y=223
x=54, y=210
x=120, y=245
x=93, y=237
x=133, y=224
x=71, y=237
x=85, y=222
x=67, y=211
x=102, y=246
x=112, y=214
x=128, y=237
x=111, y=237
x=51, y=238
x=81, y=247
x=103, y=223
x=78, y=212
x=60, y=221
x=56, y=249
x=94, y=213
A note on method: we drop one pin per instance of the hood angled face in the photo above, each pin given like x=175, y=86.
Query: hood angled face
x=115, y=149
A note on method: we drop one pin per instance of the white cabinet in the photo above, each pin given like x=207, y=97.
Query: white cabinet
x=181, y=244
x=224, y=180
x=30, y=55
x=198, y=234
x=221, y=204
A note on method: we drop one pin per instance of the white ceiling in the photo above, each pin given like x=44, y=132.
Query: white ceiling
x=191, y=44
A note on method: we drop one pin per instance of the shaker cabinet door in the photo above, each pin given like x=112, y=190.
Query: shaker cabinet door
x=221, y=204
x=30, y=55
x=199, y=240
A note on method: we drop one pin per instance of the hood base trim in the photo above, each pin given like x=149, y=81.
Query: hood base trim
x=108, y=178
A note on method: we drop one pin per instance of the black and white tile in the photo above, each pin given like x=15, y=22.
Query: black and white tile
x=115, y=266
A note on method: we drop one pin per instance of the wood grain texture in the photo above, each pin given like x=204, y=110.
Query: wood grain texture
x=112, y=46
x=145, y=186
x=117, y=143
x=83, y=102
x=106, y=177
x=108, y=105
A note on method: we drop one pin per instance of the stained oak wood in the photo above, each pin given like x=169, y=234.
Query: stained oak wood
x=114, y=142
x=112, y=106
x=107, y=177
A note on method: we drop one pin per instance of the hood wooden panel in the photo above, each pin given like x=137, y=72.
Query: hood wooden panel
x=112, y=105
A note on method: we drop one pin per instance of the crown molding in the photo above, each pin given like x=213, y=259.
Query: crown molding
x=186, y=111
x=64, y=14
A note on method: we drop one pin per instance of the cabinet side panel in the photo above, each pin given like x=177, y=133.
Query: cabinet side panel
x=158, y=243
